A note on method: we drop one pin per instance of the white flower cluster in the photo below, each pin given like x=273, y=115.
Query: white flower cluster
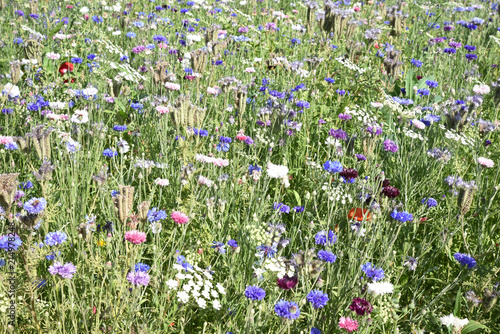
x=277, y=171
x=277, y=265
x=451, y=320
x=412, y=134
x=196, y=285
x=452, y=134
x=380, y=288
x=361, y=114
x=33, y=32
x=117, y=7
x=393, y=105
x=257, y=232
x=336, y=193
x=219, y=162
x=350, y=65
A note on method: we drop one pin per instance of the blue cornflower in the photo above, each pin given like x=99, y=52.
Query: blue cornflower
x=471, y=56
x=18, y=40
x=120, y=128
x=7, y=111
x=35, y=205
x=159, y=39
x=298, y=208
x=450, y=50
x=76, y=60
x=200, y=132
x=327, y=256
x=55, y=238
x=123, y=58
x=11, y=146
x=142, y=267
x=225, y=139
x=232, y=243
x=333, y=166
x=253, y=292
x=97, y=19
x=403, y=216
x=295, y=41
x=109, y=153
x=287, y=310
x=317, y=298
x=431, y=202
x=314, y=330
x=431, y=84
x=131, y=34
x=423, y=92
x=136, y=106
x=470, y=48
x=5, y=244
x=465, y=260
x=91, y=56
x=303, y=104
x=330, y=80
x=266, y=251
x=138, y=24
x=26, y=185
x=156, y=215
x=219, y=247
x=252, y=168
x=376, y=274
x=324, y=238
x=341, y=92
x=223, y=147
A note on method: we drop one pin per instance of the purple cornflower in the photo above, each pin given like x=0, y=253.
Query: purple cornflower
x=345, y=117
x=232, y=243
x=64, y=270
x=390, y=146
x=253, y=292
x=360, y=157
x=450, y=51
x=339, y=134
x=471, y=56
x=138, y=278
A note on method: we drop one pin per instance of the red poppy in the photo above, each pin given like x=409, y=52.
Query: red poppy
x=65, y=67
x=72, y=80
x=423, y=219
x=360, y=214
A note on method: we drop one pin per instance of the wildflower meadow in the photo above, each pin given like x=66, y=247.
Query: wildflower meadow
x=249, y=166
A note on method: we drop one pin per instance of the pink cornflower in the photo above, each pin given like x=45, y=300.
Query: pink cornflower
x=172, y=86
x=135, y=237
x=162, y=110
x=213, y=91
x=6, y=140
x=221, y=162
x=162, y=182
x=138, y=278
x=241, y=137
x=250, y=70
x=485, y=162
x=179, y=217
x=348, y=324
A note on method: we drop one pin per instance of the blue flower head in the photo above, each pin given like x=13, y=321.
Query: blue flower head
x=287, y=310
x=333, y=166
x=35, y=205
x=55, y=238
x=317, y=298
x=325, y=238
x=465, y=260
x=141, y=267
x=376, y=274
x=327, y=256
x=253, y=292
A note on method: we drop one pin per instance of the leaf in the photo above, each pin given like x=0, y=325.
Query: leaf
x=473, y=326
x=55, y=30
x=297, y=197
x=458, y=299
x=409, y=84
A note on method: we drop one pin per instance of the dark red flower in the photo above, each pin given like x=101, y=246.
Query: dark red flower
x=65, y=67
x=287, y=282
x=419, y=77
x=361, y=306
x=189, y=77
x=349, y=173
x=391, y=192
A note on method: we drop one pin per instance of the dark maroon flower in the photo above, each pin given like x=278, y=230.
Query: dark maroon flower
x=287, y=282
x=361, y=306
x=349, y=173
x=189, y=77
x=391, y=192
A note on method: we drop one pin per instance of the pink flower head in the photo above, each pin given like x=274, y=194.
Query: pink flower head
x=221, y=162
x=135, y=237
x=250, y=70
x=6, y=140
x=348, y=324
x=179, y=217
x=357, y=9
x=486, y=162
x=162, y=110
x=172, y=86
x=241, y=137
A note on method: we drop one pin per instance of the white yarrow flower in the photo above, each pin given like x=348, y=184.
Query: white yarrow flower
x=277, y=171
x=380, y=288
x=183, y=297
x=451, y=320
